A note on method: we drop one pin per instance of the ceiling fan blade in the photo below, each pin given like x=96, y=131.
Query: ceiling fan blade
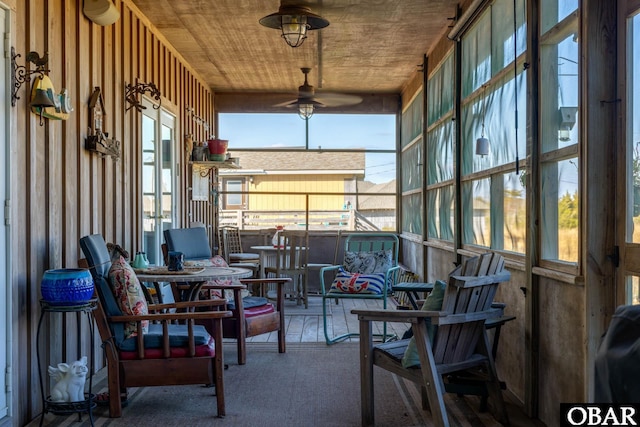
x=299, y=101
x=308, y=95
x=287, y=103
x=330, y=99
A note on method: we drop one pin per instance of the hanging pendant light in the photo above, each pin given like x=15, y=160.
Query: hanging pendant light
x=294, y=22
x=482, y=143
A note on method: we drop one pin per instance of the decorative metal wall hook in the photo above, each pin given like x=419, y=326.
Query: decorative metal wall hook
x=20, y=74
x=132, y=91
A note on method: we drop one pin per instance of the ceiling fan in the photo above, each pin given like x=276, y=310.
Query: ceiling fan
x=308, y=99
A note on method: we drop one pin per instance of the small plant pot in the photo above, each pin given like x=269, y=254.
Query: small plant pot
x=218, y=146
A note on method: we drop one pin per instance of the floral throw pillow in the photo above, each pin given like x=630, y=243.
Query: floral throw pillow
x=368, y=262
x=128, y=291
x=222, y=293
x=216, y=261
x=355, y=283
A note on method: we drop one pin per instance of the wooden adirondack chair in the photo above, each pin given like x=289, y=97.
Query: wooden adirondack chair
x=460, y=342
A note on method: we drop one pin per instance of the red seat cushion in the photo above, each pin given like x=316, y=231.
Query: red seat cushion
x=205, y=350
x=257, y=311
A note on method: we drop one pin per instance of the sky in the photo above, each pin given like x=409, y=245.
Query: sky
x=329, y=131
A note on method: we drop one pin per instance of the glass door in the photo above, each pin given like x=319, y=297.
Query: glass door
x=628, y=292
x=158, y=183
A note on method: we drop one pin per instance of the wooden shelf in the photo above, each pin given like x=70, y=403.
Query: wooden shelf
x=210, y=168
x=228, y=164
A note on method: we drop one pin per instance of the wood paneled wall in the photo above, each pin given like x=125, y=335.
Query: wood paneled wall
x=60, y=191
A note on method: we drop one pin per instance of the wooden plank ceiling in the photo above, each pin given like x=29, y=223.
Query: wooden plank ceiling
x=371, y=47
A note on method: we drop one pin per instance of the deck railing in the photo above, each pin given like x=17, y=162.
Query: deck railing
x=313, y=220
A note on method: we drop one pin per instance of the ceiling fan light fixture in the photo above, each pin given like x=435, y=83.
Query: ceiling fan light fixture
x=294, y=22
x=308, y=102
x=305, y=111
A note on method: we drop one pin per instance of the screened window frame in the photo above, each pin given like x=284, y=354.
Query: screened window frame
x=495, y=173
x=434, y=123
x=411, y=142
x=555, y=34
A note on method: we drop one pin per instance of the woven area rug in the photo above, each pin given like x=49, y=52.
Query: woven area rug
x=312, y=384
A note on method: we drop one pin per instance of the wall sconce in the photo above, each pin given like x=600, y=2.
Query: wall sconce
x=20, y=74
x=567, y=121
x=251, y=179
x=132, y=91
x=294, y=22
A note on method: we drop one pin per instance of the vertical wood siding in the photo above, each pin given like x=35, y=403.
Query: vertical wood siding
x=60, y=191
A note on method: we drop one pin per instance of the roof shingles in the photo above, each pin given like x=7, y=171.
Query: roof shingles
x=300, y=160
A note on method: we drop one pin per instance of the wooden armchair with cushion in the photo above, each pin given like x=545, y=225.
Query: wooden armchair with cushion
x=450, y=339
x=143, y=348
x=251, y=315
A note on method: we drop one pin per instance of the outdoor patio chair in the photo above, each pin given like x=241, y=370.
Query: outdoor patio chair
x=232, y=252
x=450, y=340
x=265, y=235
x=313, y=268
x=291, y=261
x=160, y=353
x=367, y=272
x=251, y=315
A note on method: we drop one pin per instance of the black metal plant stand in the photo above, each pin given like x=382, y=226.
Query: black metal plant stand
x=66, y=408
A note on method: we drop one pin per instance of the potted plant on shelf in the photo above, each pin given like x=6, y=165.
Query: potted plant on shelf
x=218, y=149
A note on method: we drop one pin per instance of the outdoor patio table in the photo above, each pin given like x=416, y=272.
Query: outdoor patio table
x=194, y=276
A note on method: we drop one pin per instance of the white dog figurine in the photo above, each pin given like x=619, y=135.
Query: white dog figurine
x=71, y=379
